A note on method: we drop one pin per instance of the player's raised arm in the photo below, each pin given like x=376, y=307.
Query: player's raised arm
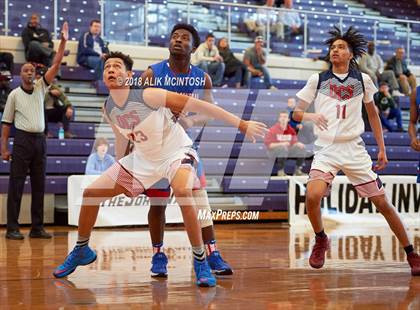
x=180, y=103
x=52, y=72
x=200, y=119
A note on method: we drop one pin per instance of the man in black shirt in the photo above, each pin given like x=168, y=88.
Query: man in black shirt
x=38, y=44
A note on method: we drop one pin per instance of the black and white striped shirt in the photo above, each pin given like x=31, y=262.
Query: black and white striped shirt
x=26, y=109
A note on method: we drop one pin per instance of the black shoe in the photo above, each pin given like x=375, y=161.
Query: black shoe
x=14, y=235
x=40, y=234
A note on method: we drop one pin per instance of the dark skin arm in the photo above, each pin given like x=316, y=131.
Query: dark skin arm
x=199, y=119
x=193, y=120
x=5, y=133
x=412, y=126
x=53, y=70
x=375, y=124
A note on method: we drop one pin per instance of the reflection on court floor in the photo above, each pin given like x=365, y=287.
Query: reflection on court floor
x=366, y=269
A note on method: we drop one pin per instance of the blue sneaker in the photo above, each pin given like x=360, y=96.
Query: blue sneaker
x=159, y=262
x=218, y=265
x=80, y=256
x=203, y=274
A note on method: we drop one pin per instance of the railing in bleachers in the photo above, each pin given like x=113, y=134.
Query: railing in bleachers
x=149, y=22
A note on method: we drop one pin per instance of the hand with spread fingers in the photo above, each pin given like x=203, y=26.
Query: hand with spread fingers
x=253, y=129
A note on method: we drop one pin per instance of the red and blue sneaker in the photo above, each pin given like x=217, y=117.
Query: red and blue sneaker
x=218, y=265
x=203, y=274
x=159, y=263
x=80, y=256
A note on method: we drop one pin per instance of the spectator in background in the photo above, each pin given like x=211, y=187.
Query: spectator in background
x=38, y=44
x=258, y=26
x=293, y=25
x=92, y=49
x=4, y=92
x=398, y=65
x=388, y=108
x=207, y=58
x=6, y=63
x=100, y=160
x=371, y=63
x=255, y=59
x=58, y=108
x=282, y=142
x=233, y=66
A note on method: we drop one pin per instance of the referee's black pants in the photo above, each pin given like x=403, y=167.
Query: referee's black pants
x=29, y=153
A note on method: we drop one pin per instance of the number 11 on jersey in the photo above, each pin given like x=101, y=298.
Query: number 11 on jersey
x=341, y=111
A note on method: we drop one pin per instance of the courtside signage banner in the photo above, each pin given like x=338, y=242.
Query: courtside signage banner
x=119, y=210
x=344, y=206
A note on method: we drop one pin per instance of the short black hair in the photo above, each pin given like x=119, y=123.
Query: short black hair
x=128, y=62
x=190, y=29
x=355, y=40
x=94, y=21
x=210, y=35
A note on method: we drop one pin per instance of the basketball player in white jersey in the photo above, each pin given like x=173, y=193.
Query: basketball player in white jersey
x=338, y=95
x=162, y=149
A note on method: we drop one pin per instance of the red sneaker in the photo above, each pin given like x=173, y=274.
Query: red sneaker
x=414, y=262
x=317, y=258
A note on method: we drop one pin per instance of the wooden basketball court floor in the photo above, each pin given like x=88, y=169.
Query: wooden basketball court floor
x=365, y=269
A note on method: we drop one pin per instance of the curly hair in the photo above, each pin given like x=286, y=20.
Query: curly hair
x=355, y=40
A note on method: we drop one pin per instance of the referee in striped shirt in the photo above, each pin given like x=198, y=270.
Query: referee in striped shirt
x=25, y=108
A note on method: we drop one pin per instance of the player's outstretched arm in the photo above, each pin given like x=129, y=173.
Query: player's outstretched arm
x=375, y=124
x=300, y=115
x=412, y=125
x=197, y=119
x=52, y=72
x=180, y=103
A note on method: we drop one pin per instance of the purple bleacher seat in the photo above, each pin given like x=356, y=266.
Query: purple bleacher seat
x=391, y=138
x=77, y=73
x=81, y=130
x=218, y=134
x=400, y=168
x=58, y=165
x=253, y=184
x=404, y=102
x=394, y=153
x=266, y=202
x=69, y=147
x=221, y=166
x=15, y=82
x=66, y=164
x=53, y=184
x=218, y=149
